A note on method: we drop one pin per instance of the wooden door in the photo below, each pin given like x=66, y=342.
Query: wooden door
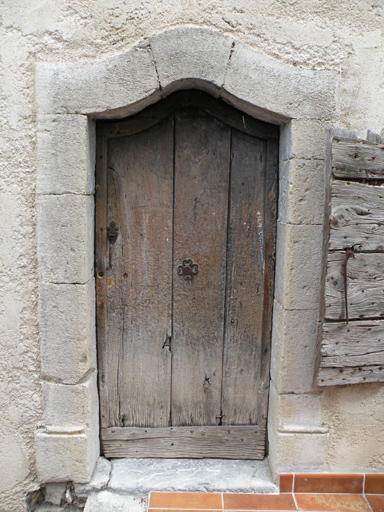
x=185, y=247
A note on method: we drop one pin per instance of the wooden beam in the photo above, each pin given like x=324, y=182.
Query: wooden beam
x=357, y=160
x=229, y=442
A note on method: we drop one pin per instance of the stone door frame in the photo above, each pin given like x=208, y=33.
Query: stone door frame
x=69, y=97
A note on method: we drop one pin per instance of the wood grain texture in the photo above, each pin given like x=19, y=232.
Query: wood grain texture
x=245, y=281
x=357, y=160
x=352, y=353
x=139, y=284
x=202, y=162
x=365, y=286
x=241, y=442
x=357, y=216
x=270, y=219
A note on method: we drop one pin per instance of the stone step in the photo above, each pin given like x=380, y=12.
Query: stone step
x=123, y=485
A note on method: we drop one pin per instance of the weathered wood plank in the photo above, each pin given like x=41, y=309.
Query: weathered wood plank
x=357, y=216
x=140, y=189
x=245, y=282
x=365, y=286
x=231, y=442
x=270, y=219
x=357, y=160
x=101, y=264
x=355, y=344
x=202, y=164
x=352, y=354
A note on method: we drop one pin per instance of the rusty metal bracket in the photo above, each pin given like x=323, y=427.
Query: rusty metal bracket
x=112, y=234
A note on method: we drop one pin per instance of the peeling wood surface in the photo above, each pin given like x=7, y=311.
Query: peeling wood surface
x=235, y=442
x=365, y=286
x=357, y=216
x=357, y=160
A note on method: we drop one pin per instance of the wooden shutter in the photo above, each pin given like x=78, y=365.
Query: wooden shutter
x=352, y=346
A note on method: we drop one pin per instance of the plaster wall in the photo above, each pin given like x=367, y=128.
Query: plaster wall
x=340, y=429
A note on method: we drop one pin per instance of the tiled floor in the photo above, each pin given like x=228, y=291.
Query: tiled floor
x=310, y=493
x=322, y=502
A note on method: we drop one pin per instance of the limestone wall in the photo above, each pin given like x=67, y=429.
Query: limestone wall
x=345, y=36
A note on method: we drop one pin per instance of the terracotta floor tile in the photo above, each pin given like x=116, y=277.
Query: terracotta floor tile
x=374, y=484
x=286, y=482
x=331, y=502
x=173, y=510
x=185, y=500
x=376, y=502
x=273, y=502
x=329, y=483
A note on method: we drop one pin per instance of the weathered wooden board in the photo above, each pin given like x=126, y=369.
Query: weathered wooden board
x=245, y=282
x=365, y=286
x=352, y=353
x=270, y=219
x=231, y=442
x=202, y=162
x=357, y=216
x=357, y=160
x=140, y=190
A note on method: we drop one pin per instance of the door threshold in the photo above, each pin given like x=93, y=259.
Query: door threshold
x=141, y=476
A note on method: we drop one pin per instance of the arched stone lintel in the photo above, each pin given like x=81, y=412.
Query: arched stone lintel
x=186, y=57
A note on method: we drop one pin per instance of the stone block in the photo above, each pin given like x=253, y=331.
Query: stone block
x=67, y=324
x=185, y=53
x=301, y=191
x=106, y=501
x=54, y=492
x=97, y=86
x=298, y=265
x=140, y=476
x=299, y=453
x=293, y=349
x=303, y=138
x=295, y=413
x=66, y=455
x=278, y=87
x=65, y=230
x=99, y=480
x=71, y=405
x=66, y=154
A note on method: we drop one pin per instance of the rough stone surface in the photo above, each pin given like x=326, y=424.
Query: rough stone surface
x=309, y=449
x=106, y=501
x=303, y=138
x=71, y=405
x=96, y=86
x=98, y=481
x=67, y=322
x=293, y=363
x=296, y=413
x=190, y=52
x=298, y=266
x=277, y=87
x=70, y=170
x=301, y=191
x=206, y=475
x=66, y=455
x=65, y=238
x=54, y=492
